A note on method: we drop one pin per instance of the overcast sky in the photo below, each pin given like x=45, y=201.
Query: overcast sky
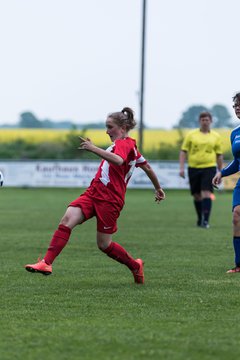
x=81, y=59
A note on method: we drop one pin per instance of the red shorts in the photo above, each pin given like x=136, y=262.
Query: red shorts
x=106, y=213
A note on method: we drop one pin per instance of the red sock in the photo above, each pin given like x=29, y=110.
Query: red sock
x=118, y=253
x=59, y=240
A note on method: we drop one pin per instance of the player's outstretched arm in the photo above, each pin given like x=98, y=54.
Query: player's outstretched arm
x=86, y=144
x=159, y=193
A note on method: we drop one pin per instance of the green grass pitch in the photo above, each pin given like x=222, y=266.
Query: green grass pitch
x=91, y=309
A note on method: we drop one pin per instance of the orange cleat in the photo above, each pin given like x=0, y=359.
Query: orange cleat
x=40, y=267
x=139, y=274
x=234, y=270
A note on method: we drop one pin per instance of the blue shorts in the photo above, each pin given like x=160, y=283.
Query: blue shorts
x=236, y=196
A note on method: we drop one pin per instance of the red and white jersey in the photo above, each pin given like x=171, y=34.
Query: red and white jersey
x=115, y=177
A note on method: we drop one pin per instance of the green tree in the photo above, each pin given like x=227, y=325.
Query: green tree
x=221, y=116
x=29, y=120
x=189, y=118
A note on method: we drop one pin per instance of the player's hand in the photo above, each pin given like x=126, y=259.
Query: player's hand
x=217, y=179
x=85, y=144
x=159, y=195
x=182, y=173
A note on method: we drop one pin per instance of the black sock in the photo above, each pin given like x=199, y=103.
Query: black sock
x=198, y=207
x=236, y=245
x=206, y=208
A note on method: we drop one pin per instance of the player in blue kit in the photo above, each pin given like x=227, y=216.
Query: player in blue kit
x=232, y=168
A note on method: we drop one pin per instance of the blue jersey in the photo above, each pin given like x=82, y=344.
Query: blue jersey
x=234, y=165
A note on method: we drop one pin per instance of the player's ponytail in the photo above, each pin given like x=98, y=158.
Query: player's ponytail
x=124, y=117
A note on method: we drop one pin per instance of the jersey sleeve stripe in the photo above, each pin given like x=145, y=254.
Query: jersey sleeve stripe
x=141, y=160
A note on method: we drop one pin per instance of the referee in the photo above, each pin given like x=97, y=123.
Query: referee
x=203, y=149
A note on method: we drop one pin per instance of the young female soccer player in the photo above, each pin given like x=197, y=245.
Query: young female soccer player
x=230, y=169
x=104, y=198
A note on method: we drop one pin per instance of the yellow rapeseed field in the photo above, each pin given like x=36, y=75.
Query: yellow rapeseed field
x=152, y=138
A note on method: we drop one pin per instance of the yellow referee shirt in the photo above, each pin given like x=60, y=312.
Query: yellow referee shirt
x=202, y=148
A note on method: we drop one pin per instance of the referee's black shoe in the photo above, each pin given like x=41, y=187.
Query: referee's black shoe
x=205, y=224
x=199, y=223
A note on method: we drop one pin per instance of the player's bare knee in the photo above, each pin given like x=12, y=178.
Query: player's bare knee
x=103, y=241
x=236, y=216
x=101, y=246
x=64, y=220
x=197, y=197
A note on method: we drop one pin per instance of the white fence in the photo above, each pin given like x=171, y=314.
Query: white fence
x=80, y=173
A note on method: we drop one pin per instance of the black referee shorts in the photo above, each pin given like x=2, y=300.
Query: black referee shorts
x=201, y=179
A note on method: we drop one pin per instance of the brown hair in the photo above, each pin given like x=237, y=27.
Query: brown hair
x=124, y=117
x=205, y=114
x=236, y=97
